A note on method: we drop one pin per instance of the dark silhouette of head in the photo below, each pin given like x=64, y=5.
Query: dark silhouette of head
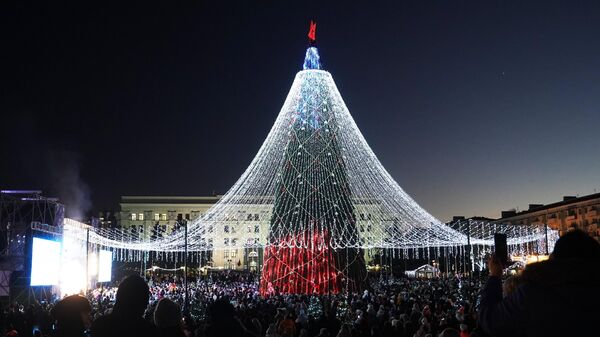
x=576, y=244
x=221, y=310
x=72, y=315
x=132, y=297
x=167, y=314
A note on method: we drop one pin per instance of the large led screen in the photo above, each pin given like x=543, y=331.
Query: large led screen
x=45, y=262
x=104, y=266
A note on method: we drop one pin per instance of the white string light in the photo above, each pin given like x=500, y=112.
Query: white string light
x=384, y=215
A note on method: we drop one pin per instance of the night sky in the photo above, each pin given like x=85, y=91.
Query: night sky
x=473, y=107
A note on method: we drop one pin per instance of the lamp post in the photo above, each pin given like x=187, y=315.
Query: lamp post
x=546, y=236
x=185, y=269
x=87, y=260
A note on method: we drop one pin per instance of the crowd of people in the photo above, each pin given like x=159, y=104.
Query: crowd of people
x=558, y=295
x=229, y=304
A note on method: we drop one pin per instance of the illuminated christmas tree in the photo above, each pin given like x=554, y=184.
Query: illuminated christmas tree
x=323, y=196
x=313, y=201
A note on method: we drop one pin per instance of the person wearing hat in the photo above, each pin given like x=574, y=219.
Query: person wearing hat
x=556, y=297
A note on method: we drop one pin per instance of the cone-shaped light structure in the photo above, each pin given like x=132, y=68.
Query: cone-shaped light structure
x=314, y=195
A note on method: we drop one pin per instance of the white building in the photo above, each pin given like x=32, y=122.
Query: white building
x=147, y=214
x=246, y=227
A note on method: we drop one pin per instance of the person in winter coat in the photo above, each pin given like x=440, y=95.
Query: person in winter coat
x=556, y=297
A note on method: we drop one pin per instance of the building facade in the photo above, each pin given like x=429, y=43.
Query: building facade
x=144, y=211
x=161, y=215
x=239, y=234
x=570, y=213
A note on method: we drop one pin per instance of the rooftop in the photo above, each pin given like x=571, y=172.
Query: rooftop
x=142, y=199
x=567, y=200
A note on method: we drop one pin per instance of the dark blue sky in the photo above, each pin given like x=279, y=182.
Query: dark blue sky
x=473, y=107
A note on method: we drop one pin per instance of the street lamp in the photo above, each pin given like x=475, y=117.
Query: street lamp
x=182, y=222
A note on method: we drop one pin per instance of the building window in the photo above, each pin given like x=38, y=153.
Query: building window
x=226, y=241
x=249, y=218
x=234, y=241
x=171, y=215
x=187, y=216
x=163, y=217
x=133, y=216
x=249, y=229
x=226, y=229
x=156, y=216
x=256, y=229
x=226, y=254
x=256, y=217
x=233, y=253
x=141, y=216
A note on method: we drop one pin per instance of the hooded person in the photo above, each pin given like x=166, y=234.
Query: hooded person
x=126, y=318
x=556, y=297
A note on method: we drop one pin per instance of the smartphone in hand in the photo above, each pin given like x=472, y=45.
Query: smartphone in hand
x=501, y=248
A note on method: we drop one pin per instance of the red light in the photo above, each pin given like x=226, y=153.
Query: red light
x=312, y=32
x=295, y=270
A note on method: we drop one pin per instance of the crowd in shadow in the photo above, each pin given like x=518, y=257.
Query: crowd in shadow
x=557, y=297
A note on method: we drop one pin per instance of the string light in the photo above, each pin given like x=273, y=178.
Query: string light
x=314, y=173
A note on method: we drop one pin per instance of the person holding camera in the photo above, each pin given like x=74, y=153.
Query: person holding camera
x=556, y=297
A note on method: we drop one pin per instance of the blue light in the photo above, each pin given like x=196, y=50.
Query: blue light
x=312, y=60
